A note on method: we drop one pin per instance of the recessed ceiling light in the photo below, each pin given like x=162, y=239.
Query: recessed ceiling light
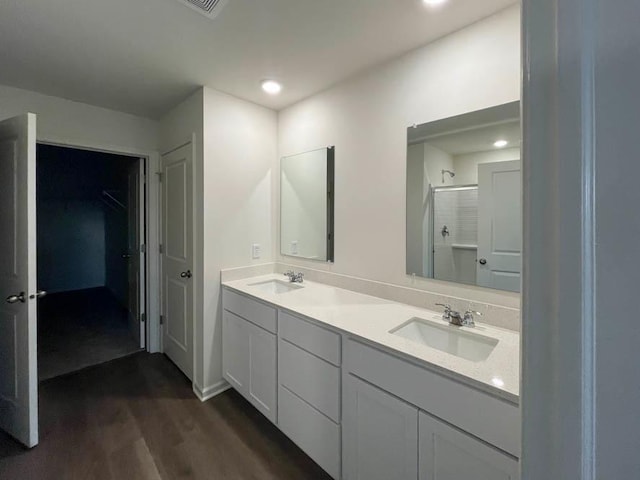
x=271, y=87
x=433, y=3
x=500, y=143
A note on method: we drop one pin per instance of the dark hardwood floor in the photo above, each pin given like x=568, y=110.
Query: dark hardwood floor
x=137, y=418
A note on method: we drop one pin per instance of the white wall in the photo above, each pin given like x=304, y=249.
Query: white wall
x=185, y=123
x=235, y=162
x=435, y=160
x=67, y=122
x=366, y=119
x=240, y=166
x=466, y=165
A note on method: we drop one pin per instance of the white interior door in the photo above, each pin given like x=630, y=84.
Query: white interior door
x=18, y=305
x=499, y=225
x=177, y=257
x=135, y=254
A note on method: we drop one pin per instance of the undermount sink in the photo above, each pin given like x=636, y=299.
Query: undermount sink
x=275, y=287
x=449, y=339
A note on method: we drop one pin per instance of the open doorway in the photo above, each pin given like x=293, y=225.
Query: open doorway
x=90, y=257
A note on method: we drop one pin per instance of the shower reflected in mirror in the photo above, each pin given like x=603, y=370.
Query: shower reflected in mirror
x=464, y=220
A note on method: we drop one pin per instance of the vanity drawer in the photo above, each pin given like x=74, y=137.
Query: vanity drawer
x=258, y=313
x=314, y=380
x=314, y=433
x=489, y=418
x=312, y=338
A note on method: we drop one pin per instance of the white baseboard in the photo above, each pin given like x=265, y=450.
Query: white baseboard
x=212, y=391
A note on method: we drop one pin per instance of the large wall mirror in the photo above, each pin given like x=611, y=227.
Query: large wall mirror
x=464, y=205
x=306, y=205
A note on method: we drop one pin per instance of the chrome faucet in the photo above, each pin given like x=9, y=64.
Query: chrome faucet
x=447, y=311
x=454, y=317
x=294, y=277
x=451, y=316
x=468, y=318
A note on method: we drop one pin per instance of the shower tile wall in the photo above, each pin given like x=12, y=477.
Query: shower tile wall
x=455, y=254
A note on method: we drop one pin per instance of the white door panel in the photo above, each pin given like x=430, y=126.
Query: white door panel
x=235, y=351
x=499, y=225
x=447, y=453
x=177, y=301
x=177, y=257
x=380, y=434
x=263, y=370
x=18, y=306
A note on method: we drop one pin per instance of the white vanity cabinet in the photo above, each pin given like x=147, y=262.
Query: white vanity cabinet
x=361, y=411
x=380, y=434
x=398, y=416
x=249, y=352
x=289, y=369
x=235, y=351
x=309, y=377
x=447, y=453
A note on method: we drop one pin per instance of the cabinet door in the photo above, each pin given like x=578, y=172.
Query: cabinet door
x=235, y=351
x=262, y=371
x=447, y=453
x=380, y=434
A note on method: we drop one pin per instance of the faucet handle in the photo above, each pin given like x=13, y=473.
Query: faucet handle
x=447, y=310
x=468, y=317
x=288, y=273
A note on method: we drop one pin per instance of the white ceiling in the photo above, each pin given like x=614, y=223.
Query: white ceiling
x=144, y=56
x=479, y=139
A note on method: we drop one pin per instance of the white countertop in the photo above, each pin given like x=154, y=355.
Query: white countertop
x=372, y=318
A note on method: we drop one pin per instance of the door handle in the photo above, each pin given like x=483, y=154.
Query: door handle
x=482, y=261
x=126, y=255
x=186, y=274
x=38, y=294
x=17, y=298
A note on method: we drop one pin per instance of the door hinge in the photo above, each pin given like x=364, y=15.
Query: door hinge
x=143, y=317
x=159, y=176
x=161, y=319
x=161, y=248
x=143, y=248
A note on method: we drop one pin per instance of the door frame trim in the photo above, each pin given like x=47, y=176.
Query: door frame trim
x=151, y=159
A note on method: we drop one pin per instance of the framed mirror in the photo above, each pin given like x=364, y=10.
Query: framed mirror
x=306, y=205
x=464, y=199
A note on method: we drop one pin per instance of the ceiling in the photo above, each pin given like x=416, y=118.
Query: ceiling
x=144, y=56
x=480, y=139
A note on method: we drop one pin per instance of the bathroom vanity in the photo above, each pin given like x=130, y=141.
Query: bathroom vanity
x=374, y=389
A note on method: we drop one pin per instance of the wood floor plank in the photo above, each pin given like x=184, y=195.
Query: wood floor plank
x=137, y=418
x=134, y=462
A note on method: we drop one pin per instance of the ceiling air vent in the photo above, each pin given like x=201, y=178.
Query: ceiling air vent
x=210, y=8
